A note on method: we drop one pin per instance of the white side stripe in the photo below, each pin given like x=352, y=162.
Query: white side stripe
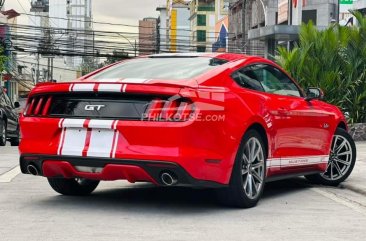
x=297, y=161
x=124, y=88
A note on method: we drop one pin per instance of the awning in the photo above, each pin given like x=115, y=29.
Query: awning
x=277, y=32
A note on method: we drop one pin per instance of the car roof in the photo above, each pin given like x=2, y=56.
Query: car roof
x=225, y=56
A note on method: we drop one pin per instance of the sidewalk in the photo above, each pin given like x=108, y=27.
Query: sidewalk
x=9, y=158
x=357, y=181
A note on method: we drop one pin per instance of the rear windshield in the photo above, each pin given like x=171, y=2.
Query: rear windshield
x=160, y=68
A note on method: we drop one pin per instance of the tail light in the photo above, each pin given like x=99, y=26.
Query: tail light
x=169, y=110
x=38, y=106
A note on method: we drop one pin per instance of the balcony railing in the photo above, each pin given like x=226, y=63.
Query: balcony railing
x=207, y=8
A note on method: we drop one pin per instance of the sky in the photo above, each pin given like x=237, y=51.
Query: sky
x=111, y=11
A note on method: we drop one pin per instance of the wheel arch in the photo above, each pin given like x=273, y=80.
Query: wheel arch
x=342, y=125
x=262, y=132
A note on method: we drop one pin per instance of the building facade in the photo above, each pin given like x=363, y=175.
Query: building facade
x=203, y=21
x=178, y=25
x=174, y=26
x=71, y=36
x=148, y=36
x=204, y=17
x=269, y=23
x=162, y=29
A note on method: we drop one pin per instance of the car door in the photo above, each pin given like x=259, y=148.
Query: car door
x=300, y=135
x=11, y=115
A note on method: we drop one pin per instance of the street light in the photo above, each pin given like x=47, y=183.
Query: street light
x=2, y=3
x=134, y=47
x=264, y=11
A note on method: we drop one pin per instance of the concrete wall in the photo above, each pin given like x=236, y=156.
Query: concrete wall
x=163, y=29
x=147, y=36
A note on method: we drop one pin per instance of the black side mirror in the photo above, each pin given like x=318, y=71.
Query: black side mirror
x=313, y=93
x=16, y=105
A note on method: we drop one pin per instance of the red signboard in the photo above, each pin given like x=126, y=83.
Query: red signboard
x=294, y=3
x=7, y=77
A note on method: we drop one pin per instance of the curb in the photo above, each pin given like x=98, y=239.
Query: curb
x=353, y=188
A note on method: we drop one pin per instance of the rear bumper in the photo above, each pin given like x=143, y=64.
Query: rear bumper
x=112, y=169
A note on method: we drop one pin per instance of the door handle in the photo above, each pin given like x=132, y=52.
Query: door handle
x=282, y=111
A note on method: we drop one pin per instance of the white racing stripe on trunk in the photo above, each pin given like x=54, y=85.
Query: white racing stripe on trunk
x=60, y=144
x=101, y=141
x=74, y=142
x=101, y=124
x=70, y=87
x=83, y=87
x=73, y=123
x=73, y=137
x=114, y=150
x=110, y=88
x=60, y=123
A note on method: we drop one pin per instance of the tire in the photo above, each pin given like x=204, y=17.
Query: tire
x=247, y=171
x=2, y=133
x=15, y=140
x=73, y=187
x=342, y=160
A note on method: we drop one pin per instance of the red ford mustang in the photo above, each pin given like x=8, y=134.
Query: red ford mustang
x=224, y=121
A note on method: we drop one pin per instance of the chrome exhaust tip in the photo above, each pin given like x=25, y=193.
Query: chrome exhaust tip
x=168, y=179
x=32, y=170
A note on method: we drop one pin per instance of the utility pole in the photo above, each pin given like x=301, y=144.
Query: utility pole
x=37, y=70
x=135, y=48
x=243, y=22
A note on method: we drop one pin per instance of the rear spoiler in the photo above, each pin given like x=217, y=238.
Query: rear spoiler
x=96, y=87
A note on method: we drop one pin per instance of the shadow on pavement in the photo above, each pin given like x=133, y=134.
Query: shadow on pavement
x=148, y=198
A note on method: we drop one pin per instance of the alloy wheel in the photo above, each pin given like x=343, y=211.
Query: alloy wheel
x=253, y=168
x=340, y=159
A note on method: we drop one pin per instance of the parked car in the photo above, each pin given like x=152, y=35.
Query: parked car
x=225, y=121
x=9, y=125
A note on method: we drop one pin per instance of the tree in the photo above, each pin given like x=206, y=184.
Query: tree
x=333, y=60
x=3, y=60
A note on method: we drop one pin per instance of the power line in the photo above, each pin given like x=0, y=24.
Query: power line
x=25, y=11
x=115, y=24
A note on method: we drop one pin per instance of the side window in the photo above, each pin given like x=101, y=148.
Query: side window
x=268, y=79
x=247, y=79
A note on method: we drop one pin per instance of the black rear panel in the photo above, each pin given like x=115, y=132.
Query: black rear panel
x=99, y=106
